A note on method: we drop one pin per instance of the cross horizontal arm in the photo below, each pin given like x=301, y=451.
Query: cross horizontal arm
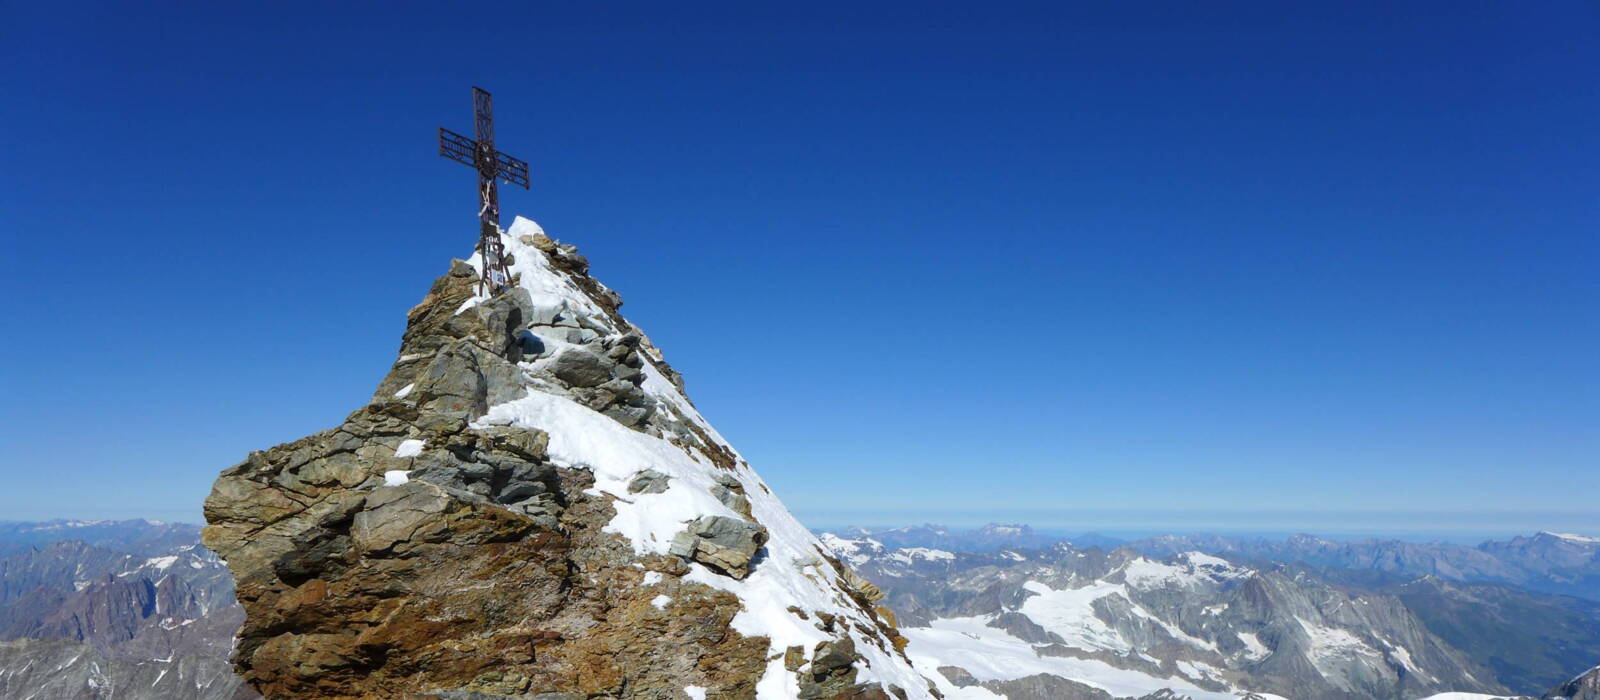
x=512, y=170
x=457, y=147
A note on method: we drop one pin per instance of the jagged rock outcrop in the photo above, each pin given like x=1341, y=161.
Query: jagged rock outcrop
x=530, y=507
x=1585, y=687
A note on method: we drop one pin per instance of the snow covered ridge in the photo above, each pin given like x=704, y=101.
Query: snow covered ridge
x=1130, y=625
x=1576, y=539
x=536, y=441
x=793, y=574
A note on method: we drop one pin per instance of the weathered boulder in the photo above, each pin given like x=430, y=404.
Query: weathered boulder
x=581, y=368
x=649, y=481
x=731, y=492
x=725, y=544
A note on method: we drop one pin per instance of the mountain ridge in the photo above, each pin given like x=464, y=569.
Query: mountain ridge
x=979, y=595
x=1562, y=564
x=536, y=440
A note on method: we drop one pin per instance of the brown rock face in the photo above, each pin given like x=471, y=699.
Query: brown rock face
x=477, y=567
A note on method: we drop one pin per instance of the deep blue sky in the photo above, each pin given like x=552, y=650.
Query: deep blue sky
x=1162, y=264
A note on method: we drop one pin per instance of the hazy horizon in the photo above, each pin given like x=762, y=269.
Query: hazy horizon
x=1435, y=526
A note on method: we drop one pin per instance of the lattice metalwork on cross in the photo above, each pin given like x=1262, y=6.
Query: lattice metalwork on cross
x=492, y=166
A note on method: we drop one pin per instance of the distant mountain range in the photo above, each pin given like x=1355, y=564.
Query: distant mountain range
x=1564, y=564
x=137, y=610
x=1039, y=622
x=132, y=610
x=1547, y=562
x=988, y=538
x=146, y=538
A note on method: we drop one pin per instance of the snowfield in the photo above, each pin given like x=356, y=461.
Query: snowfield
x=991, y=654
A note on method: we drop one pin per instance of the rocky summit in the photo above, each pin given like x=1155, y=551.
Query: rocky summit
x=531, y=507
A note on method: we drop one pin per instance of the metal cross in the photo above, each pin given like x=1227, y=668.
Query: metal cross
x=492, y=166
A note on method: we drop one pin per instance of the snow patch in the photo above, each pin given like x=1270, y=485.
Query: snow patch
x=991, y=654
x=409, y=448
x=910, y=555
x=1070, y=613
x=853, y=552
x=1334, y=651
x=1254, y=650
x=396, y=477
x=1580, y=539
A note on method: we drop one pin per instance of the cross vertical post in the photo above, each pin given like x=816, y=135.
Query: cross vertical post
x=492, y=166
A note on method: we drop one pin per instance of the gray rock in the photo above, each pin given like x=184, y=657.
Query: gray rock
x=452, y=384
x=648, y=481
x=834, y=655
x=730, y=491
x=502, y=316
x=522, y=491
x=632, y=375
x=832, y=670
x=528, y=443
x=1046, y=687
x=581, y=368
x=463, y=380
x=568, y=253
x=393, y=515
x=727, y=545
x=502, y=381
x=732, y=499
x=957, y=675
x=631, y=416
x=1024, y=628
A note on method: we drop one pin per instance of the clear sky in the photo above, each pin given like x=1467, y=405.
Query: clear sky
x=1209, y=264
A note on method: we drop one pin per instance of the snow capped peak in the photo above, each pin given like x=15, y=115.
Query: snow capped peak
x=1185, y=570
x=911, y=555
x=854, y=552
x=999, y=529
x=1569, y=537
x=1202, y=559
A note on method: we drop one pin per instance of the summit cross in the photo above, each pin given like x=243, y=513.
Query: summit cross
x=493, y=166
